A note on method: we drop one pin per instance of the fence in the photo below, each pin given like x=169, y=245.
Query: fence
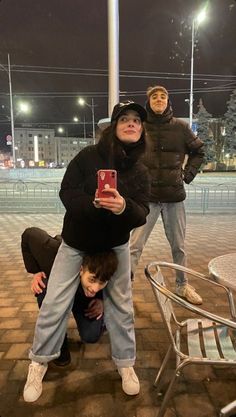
x=211, y=198
x=29, y=197
x=18, y=196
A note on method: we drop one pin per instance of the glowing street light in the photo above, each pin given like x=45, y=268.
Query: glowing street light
x=196, y=22
x=24, y=107
x=77, y=119
x=60, y=129
x=82, y=102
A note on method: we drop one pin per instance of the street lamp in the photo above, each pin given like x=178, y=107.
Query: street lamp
x=196, y=21
x=24, y=107
x=76, y=120
x=60, y=129
x=82, y=102
x=8, y=71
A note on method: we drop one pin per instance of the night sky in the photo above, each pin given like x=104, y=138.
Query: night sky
x=70, y=37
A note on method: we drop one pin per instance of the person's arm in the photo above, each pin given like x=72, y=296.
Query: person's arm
x=131, y=209
x=31, y=265
x=195, y=151
x=137, y=202
x=38, y=250
x=73, y=193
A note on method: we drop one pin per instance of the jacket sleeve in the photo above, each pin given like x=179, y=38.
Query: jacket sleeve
x=38, y=250
x=195, y=151
x=72, y=194
x=30, y=262
x=137, y=206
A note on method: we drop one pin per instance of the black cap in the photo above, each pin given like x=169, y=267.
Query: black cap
x=128, y=105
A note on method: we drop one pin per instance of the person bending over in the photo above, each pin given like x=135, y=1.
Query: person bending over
x=39, y=250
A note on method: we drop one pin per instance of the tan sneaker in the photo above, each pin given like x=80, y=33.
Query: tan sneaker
x=130, y=382
x=33, y=386
x=188, y=292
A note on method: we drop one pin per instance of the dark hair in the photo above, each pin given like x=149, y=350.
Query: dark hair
x=102, y=264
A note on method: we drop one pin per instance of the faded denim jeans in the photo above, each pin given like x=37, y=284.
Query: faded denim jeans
x=174, y=222
x=55, y=310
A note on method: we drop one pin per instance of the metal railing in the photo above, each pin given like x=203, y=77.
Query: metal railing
x=18, y=196
x=211, y=198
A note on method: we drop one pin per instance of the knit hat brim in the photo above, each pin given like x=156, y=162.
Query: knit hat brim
x=152, y=90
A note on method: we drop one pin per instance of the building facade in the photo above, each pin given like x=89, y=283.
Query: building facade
x=40, y=147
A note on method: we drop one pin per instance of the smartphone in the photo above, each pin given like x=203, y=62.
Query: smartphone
x=106, y=178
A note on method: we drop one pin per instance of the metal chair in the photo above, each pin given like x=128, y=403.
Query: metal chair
x=205, y=340
x=228, y=410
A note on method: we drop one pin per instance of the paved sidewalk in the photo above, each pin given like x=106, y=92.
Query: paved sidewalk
x=90, y=386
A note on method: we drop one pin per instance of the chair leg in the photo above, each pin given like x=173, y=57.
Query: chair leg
x=162, y=369
x=167, y=395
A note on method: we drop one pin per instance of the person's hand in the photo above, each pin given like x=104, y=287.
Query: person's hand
x=116, y=204
x=95, y=309
x=96, y=200
x=37, y=284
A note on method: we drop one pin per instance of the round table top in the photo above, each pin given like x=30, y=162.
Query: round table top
x=224, y=269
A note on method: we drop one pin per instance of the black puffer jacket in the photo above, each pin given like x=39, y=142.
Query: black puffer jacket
x=169, y=140
x=88, y=228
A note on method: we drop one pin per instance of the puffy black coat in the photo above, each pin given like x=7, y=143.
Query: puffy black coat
x=169, y=140
x=88, y=228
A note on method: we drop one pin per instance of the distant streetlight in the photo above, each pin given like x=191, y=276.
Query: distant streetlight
x=196, y=20
x=24, y=107
x=76, y=120
x=60, y=129
x=82, y=102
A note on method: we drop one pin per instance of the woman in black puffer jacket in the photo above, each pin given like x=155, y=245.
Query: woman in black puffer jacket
x=91, y=226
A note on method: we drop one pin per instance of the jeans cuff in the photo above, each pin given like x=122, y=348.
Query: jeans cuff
x=43, y=358
x=123, y=363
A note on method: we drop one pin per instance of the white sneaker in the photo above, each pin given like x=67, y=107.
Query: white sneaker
x=130, y=382
x=188, y=292
x=33, y=386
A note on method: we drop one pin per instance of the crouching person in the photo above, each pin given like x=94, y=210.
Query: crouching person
x=39, y=250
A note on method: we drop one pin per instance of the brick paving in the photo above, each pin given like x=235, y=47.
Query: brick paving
x=90, y=386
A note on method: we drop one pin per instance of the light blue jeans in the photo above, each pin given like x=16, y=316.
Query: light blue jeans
x=174, y=221
x=118, y=307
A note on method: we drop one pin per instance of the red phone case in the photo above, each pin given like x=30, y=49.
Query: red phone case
x=107, y=178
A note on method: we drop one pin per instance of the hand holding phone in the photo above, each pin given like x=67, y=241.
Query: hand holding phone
x=106, y=178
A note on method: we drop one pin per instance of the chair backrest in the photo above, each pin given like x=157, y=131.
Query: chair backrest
x=199, y=329
x=157, y=282
x=228, y=410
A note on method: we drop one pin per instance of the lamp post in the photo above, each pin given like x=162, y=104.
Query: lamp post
x=82, y=102
x=196, y=21
x=76, y=120
x=84, y=122
x=8, y=71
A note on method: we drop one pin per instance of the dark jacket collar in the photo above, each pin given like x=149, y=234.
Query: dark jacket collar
x=159, y=118
x=119, y=155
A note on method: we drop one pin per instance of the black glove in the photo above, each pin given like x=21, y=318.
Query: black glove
x=188, y=177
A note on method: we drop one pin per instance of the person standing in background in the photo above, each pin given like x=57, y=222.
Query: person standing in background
x=169, y=141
